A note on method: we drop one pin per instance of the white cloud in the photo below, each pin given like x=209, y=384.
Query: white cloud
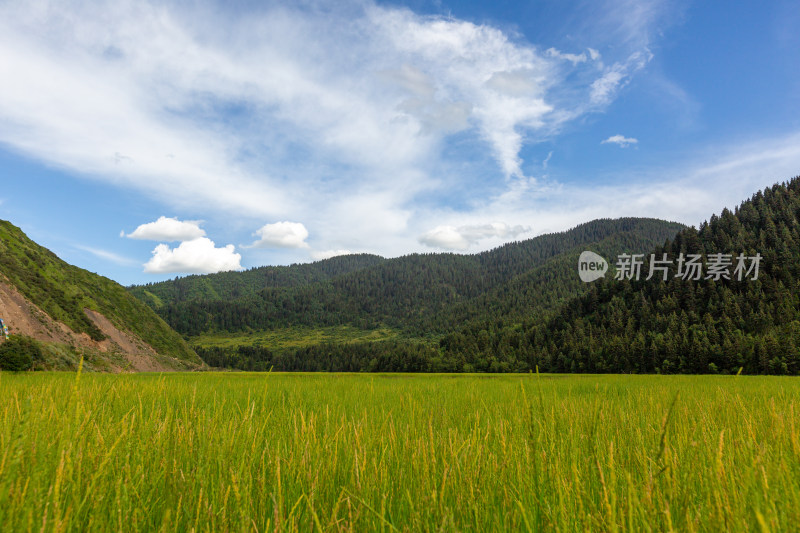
x=435, y=116
x=167, y=229
x=319, y=255
x=239, y=113
x=620, y=140
x=473, y=69
x=107, y=256
x=462, y=237
x=572, y=58
x=447, y=237
x=198, y=256
x=281, y=235
x=168, y=100
x=689, y=191
x=547, y=160
x=631, y=23
x=604, y=89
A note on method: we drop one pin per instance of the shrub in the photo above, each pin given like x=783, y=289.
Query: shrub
x=18, y=353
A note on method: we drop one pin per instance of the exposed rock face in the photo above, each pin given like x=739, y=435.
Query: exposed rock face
x=25, y=318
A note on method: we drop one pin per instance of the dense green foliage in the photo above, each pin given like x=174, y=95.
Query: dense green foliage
x=384, y=356
x=63, y=291
x=232, y=285
x=19, y=353
x=499, y=316
x=678, y=325
x=337, y=452
x=522, y=305
x=421, y=295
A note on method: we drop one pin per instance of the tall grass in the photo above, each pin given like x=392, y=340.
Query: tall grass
x=334, y=452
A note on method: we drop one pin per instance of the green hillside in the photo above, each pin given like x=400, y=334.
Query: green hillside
x=63, y=291
x=540, y=291
x=232, y=285
x=419, y=298
x=678, y=325
x=420, y=294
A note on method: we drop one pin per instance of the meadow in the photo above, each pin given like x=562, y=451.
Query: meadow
x=286, y=339
x=389, y=452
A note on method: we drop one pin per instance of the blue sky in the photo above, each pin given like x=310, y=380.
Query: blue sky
x=148, y=140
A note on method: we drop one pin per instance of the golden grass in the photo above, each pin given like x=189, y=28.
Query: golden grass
x=339, y=452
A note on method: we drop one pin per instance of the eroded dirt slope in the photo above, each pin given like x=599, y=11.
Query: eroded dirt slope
x=25, y=318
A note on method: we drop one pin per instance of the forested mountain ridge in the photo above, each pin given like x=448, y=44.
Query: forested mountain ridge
x=44, y=297
x=421, y=294
x=232, y=285
x=539, y=291
x=677, y=325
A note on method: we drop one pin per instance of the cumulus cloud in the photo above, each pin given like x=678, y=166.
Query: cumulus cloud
x=447, y=237
x=319, y=255
x=620, y=140
x=281, y=235
x=462, y=237
x=198, y=256
x=168, y=229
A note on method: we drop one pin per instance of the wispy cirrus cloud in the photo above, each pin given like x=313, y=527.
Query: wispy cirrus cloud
x=687, y=191
x=168, y=100
x=349, y=134
x=605, y=88
x=107, y=255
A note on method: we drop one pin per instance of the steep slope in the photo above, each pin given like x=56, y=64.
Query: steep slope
x=419, y=294
x=46, y=298
x=679, y=325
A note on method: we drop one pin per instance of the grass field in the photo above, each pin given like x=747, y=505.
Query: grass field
x=280, y=340
x=263, y=452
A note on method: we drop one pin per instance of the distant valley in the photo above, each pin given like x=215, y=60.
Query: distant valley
x=516, y=308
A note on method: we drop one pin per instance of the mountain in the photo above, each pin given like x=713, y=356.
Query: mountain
x=73, y=311
x=232, y=285
x=420, y=296
x=727, y=321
